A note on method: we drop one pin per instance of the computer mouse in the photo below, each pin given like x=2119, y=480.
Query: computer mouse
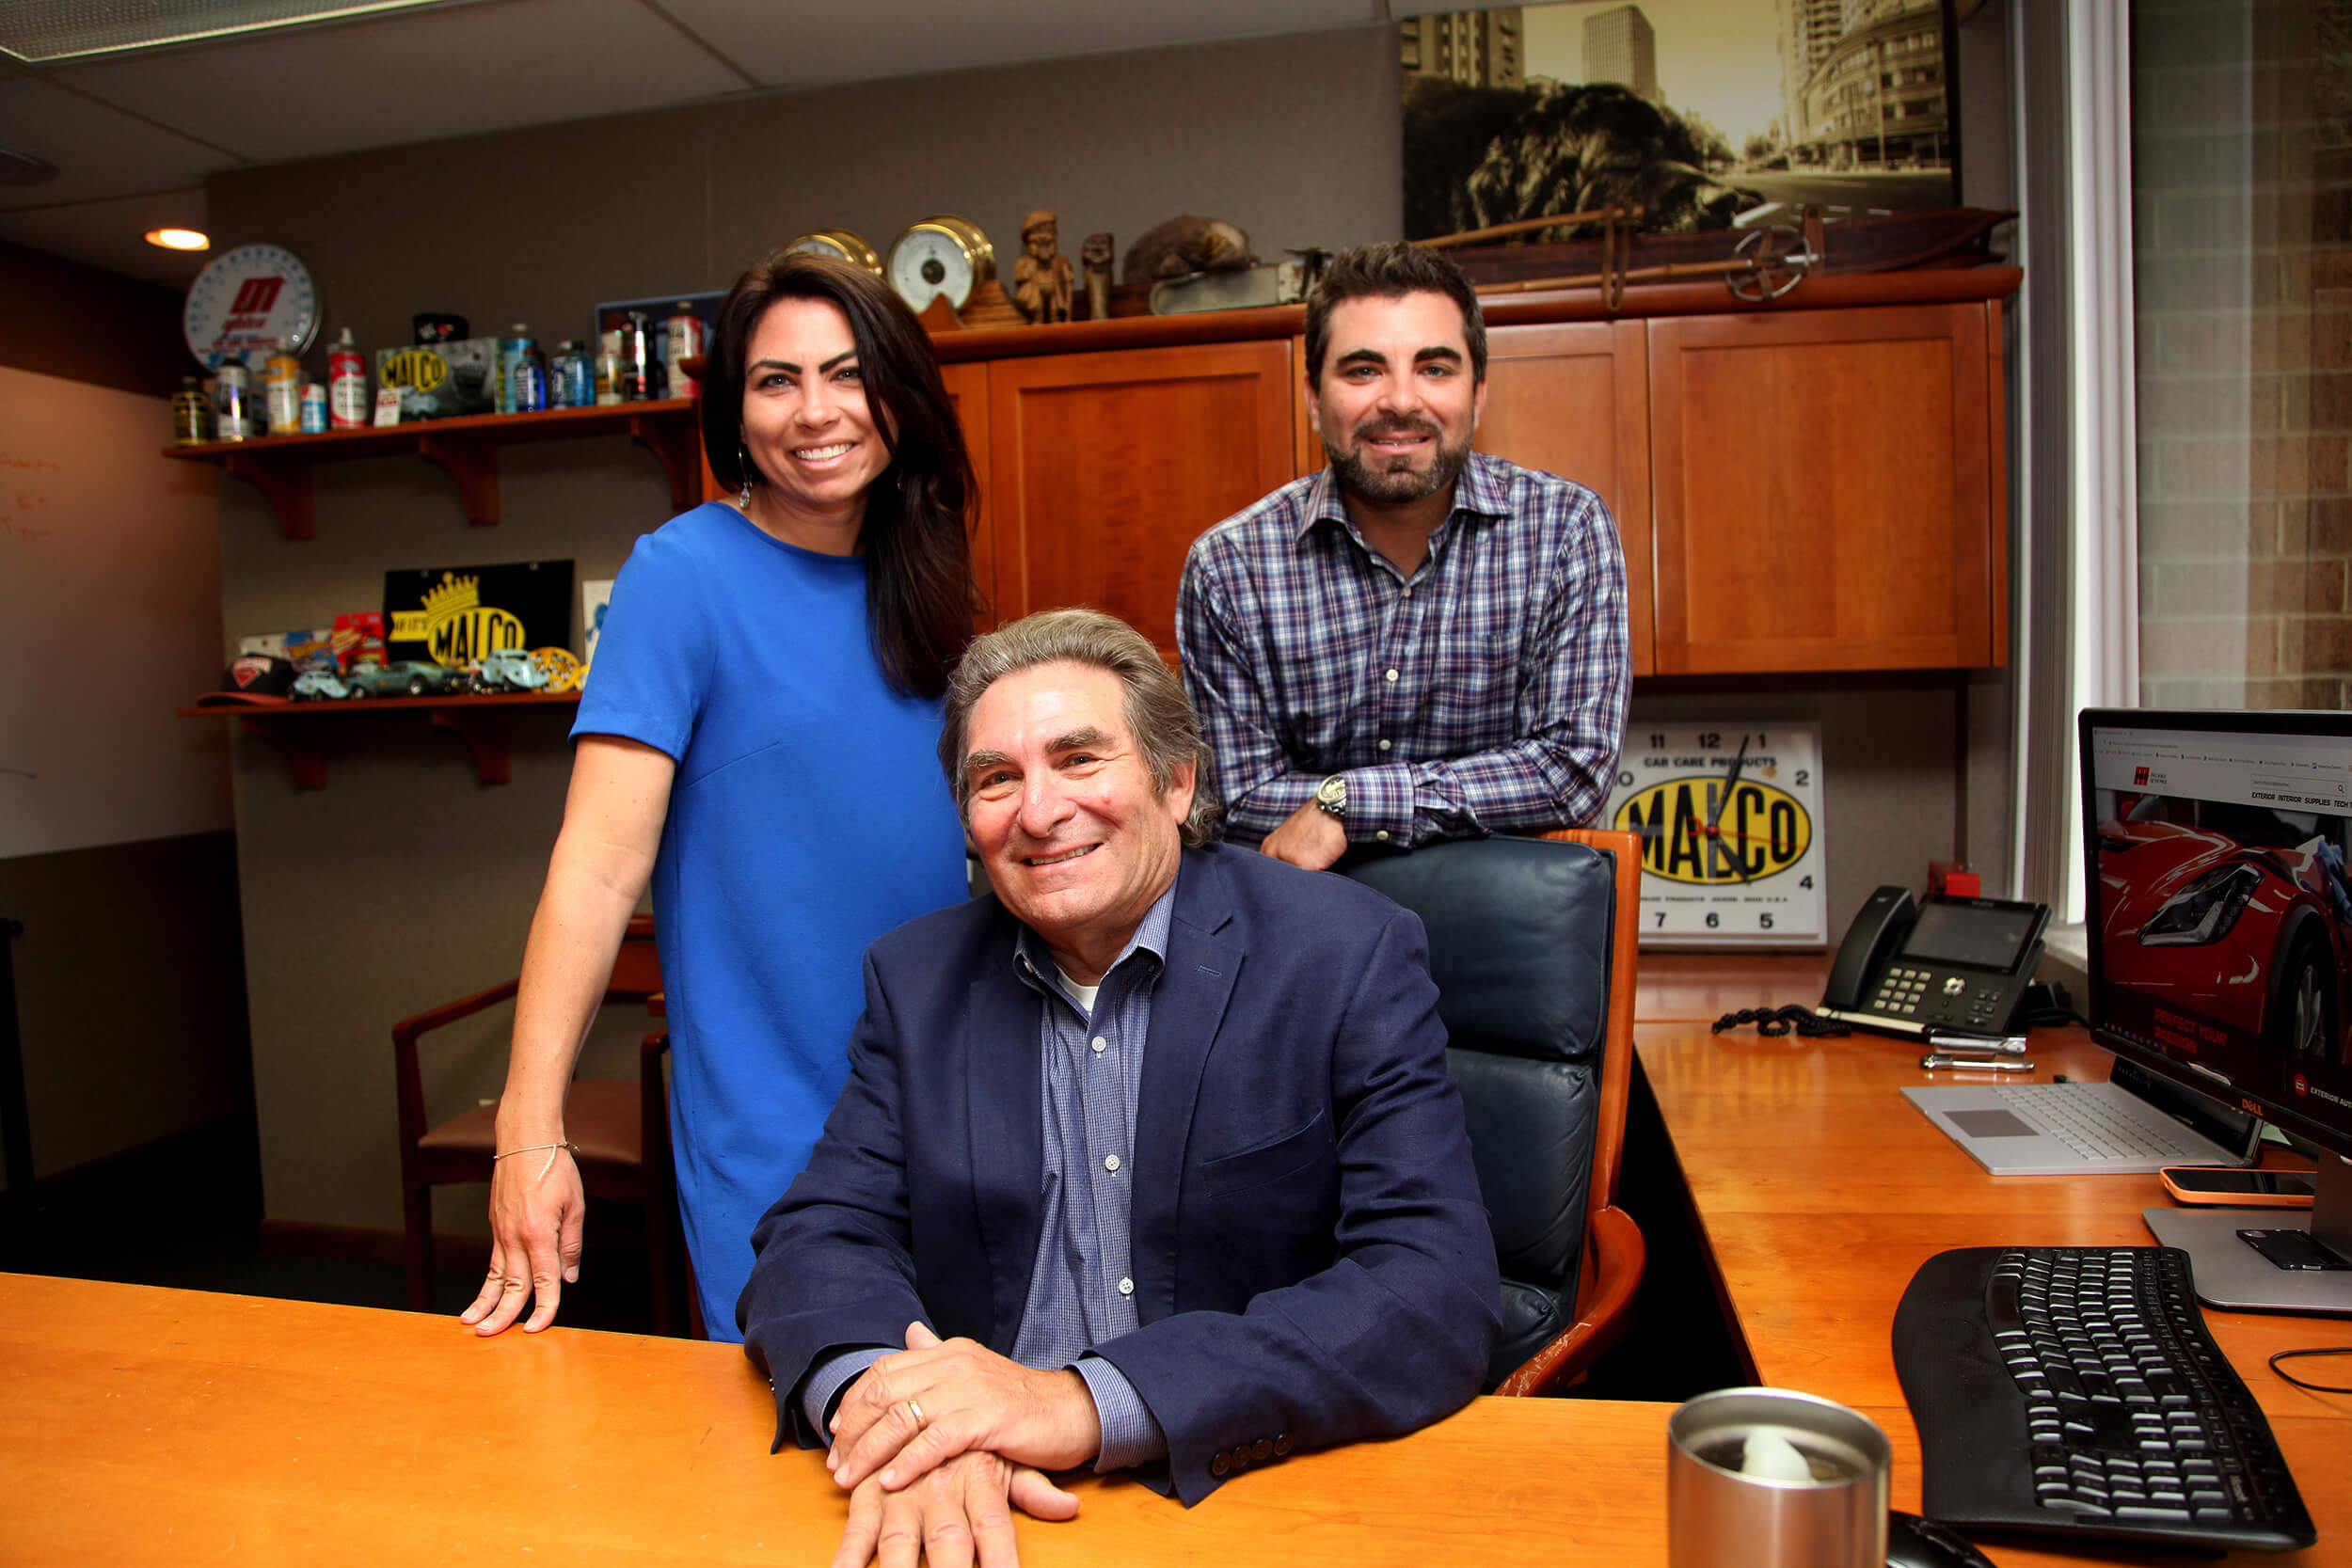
x=1915, y=1543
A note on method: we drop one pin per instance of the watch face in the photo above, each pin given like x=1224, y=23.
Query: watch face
x=1729, y=816
x=247, y=301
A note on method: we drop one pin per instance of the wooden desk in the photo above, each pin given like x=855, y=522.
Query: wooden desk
x=142, y=1426
x=1819, y=1190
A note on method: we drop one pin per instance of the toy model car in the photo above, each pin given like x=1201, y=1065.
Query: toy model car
x=2239, y=912
x=508, y=669
x=316, y=684
x=406, y=677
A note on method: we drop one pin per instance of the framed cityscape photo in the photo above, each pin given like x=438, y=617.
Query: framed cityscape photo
x=1708, y=114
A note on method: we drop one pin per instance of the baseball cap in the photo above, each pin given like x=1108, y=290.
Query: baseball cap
x=257, y=680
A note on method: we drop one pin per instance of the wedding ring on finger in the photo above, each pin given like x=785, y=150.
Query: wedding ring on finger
x=916, y=1411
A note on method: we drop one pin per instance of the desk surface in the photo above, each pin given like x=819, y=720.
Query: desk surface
x=1819, y=1190
x=145, y=1426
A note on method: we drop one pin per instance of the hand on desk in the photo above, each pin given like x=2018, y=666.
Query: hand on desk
x=956, y=1512
x=534, y=1245
x=970, y=1398
x=1309, y=837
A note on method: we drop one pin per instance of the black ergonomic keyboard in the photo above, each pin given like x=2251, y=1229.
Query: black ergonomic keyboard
x=2073, y=1391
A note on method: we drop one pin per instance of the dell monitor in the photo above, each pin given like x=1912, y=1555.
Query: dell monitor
x=2220, y=929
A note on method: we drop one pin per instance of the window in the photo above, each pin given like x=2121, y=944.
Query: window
x=2242, y=278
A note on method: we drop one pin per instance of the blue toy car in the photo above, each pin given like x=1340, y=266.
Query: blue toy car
x=507, y=670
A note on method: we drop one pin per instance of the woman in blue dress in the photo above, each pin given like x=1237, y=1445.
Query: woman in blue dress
x=757, y=741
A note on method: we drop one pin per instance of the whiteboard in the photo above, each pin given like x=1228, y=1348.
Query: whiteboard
x=109, y=620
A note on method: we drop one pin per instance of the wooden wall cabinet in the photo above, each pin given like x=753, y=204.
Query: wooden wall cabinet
x=1826, y=488
x=1103, y=469
x=1573, y=399
x=1798, y=489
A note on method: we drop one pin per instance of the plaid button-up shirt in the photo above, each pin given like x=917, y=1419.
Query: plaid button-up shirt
x=1484, y=693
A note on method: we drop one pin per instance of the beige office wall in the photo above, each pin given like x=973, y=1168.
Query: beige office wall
x=404, y=882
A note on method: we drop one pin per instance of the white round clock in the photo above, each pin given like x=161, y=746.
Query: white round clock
x=1730, y=819
x=941, y=258
x=247, y=302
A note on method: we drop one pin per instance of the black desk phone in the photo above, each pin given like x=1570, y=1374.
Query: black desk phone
x=1944, y=965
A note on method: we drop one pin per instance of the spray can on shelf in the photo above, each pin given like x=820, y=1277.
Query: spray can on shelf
x=282, y=381
x=189, y=413
x=637, y=362
x=682, y=336
x=232, y=400
x=346, y=385
x=607, y=368
x=313, y=408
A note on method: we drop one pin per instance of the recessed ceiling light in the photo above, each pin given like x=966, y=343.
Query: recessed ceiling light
x=43, y=31
x=179, y=239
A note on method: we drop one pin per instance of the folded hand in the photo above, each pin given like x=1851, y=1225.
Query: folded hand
x=909, y=1413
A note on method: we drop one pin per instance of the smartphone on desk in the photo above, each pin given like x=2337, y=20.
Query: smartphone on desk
x=2239, y=1189
x=1911, y=966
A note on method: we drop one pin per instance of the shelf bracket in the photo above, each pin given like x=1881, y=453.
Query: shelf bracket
x=306, y=767
x=475, y=467
x=485, y=735
x=288, y=487
x=679, y=448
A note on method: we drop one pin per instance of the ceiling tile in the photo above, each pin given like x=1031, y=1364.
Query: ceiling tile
x=830, y=42
x=99, y=151
x=108, y=234
x=418, y=76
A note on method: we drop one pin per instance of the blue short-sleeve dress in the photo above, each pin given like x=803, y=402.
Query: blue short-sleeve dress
x=807, y=817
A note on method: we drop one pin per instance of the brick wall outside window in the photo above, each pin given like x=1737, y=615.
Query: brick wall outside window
x=2242, y=211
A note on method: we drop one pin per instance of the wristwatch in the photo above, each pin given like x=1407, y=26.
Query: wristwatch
x=1331, y=795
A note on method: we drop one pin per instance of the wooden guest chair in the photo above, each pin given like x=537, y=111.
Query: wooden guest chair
x=621, y=1125
x=1532, y=943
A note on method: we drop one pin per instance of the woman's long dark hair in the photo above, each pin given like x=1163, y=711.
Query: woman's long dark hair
x=919, y=590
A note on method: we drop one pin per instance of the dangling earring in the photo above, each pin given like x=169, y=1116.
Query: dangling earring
x=743, y=461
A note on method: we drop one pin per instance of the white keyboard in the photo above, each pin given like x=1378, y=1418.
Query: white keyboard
x=2083, y=1117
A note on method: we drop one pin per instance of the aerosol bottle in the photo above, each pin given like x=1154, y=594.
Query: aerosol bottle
x=346, y=385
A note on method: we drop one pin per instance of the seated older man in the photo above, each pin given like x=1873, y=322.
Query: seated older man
x=1150, y=1162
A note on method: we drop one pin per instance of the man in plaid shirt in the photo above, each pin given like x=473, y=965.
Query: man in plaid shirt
x=1418, y=642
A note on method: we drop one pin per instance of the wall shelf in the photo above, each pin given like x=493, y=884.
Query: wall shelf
x=477, y=721
x=465, y=449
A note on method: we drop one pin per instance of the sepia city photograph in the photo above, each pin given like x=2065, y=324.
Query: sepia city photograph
x=1706, y=113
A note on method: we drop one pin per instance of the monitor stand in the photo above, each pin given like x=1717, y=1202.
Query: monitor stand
x=2232, y=1274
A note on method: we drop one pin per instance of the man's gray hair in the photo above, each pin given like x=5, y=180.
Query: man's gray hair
x=1158, y=717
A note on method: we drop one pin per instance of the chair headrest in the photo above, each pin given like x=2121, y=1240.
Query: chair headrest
x=1520, y=939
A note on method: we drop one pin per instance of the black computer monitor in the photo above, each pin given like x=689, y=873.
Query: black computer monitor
x=2219, y=928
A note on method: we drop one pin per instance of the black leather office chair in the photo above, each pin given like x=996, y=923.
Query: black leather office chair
x=1532, y=943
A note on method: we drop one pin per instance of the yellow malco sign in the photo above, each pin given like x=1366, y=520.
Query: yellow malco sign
x=1763, y=828
x=453, y=624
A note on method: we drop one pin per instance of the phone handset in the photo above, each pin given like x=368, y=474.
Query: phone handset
x=1869, y=946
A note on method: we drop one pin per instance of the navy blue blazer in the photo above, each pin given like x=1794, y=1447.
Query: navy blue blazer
x=1312, y=1263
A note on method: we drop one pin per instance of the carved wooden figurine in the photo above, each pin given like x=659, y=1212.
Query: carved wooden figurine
x=1095, y=252
x=1040, y=279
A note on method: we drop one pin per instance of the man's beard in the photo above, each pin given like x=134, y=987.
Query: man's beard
x=1392, y=485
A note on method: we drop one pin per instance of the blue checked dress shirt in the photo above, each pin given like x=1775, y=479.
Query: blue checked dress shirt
x=1485, y=693
x=1081, y=1286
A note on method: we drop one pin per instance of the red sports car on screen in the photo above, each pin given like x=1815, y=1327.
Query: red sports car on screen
x=2236, y=912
